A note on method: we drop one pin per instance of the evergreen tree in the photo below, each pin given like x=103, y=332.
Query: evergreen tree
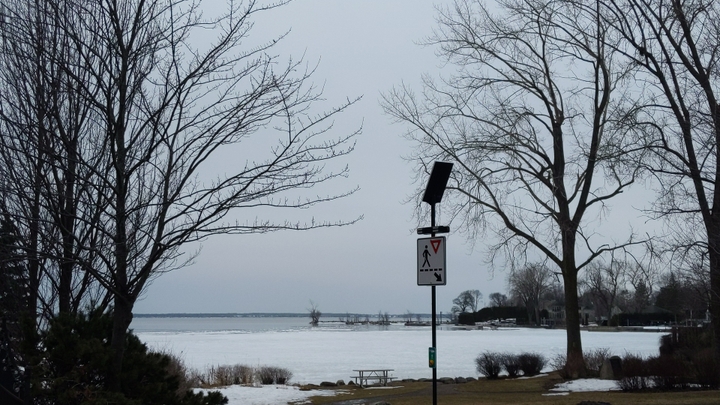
x=641, y=298
x=13, y=291
x=670, y=296
x=76, y=366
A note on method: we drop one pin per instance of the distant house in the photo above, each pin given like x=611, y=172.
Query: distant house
x=556, y=315
x=652, y=309
x=587, y=315
x=650, y=315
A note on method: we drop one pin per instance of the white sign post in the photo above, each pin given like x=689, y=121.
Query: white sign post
x=431, y=261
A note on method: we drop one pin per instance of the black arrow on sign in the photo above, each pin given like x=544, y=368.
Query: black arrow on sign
x=438, y=277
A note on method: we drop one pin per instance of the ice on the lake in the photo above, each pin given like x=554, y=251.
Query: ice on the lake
x=316, y=355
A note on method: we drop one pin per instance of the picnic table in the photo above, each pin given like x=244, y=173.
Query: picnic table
x=376, y=376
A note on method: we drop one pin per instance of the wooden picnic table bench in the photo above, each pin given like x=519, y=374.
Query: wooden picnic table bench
x=380, y=376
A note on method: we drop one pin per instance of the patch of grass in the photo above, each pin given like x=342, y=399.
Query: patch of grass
x=505, y=391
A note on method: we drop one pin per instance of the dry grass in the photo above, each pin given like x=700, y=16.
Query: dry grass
x=508, y=391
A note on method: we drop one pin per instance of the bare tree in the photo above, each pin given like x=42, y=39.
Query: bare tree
x=314, y=313
x=498, y=300
x=675, y=45
x=45, y=166
x=159, y=104
x=383, y=318
x=528, y=285
x=531, y=122
x=604, y=283
x=468, y=299
x=697, y=279
x=461, y=303
x=475, y=298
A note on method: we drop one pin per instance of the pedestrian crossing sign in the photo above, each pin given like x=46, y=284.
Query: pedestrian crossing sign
x=431, y=261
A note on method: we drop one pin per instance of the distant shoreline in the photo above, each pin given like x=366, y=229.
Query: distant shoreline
x=265, y=315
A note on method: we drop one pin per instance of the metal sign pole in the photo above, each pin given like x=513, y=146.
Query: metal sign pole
x=433, y=195
x=434, y=335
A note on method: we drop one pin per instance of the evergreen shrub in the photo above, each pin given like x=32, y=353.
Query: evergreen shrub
x=706, y=368
x=668, y=372
x=75, y=366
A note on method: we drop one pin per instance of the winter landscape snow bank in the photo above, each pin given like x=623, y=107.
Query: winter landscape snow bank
x=316, y=355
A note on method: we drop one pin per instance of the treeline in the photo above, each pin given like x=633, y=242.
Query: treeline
x=488, y=314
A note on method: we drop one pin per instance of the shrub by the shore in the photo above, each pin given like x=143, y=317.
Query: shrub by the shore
x=491, y=364
x=594, y=360
x=239, y=374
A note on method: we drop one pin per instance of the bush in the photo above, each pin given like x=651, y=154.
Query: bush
x=594, y=360
x=706, y=368
x=489, y=364
x=635, y=373
x=225, y=375
x=671, y=371
x=273, y=375
x=668, y=372
x=532, y=363
x=239, y=374
x=264, y=374
x=559, y=363
x=283, y=376
x=511, y=364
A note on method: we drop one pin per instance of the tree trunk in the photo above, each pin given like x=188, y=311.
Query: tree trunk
x=575, y=365
x=122, y=316
x=714, y=258
x=67, y=230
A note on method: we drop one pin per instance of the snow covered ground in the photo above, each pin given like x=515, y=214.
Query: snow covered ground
x=323, y=354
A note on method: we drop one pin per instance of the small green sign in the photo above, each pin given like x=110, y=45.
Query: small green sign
x=431, y=357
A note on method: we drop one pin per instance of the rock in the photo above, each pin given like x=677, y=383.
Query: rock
x=340, y=383
x=470, y=379
x=328, y=384
x=460, y=380
x=447, y=380
x=611, y=368
x=351, y=383
x=606, y=370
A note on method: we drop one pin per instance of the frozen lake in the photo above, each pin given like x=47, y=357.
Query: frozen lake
x=331, y=351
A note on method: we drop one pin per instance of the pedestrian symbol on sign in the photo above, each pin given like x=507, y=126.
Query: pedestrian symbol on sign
x=426, y=255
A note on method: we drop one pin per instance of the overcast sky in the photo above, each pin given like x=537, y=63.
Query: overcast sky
x=365, y=47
